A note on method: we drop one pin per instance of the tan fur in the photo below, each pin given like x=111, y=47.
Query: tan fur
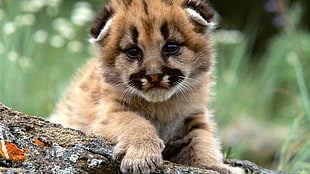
x=153, y=123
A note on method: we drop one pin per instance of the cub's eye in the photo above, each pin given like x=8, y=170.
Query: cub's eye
x=171, y=48
x=134, y=52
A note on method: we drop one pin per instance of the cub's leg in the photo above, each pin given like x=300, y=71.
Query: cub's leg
x=196, y=146
x=138, y=145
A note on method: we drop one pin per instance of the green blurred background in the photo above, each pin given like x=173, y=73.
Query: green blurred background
x=262, y=104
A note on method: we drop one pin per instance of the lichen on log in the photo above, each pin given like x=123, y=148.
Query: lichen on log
x=30, y=144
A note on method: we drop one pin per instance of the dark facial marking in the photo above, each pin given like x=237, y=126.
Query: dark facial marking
x=134, y=34
x=145, y=7
x=175, y=75
x=135, y=79
x=164, y=30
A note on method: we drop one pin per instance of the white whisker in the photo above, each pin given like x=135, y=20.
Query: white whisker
x=186, y=85
x=122, y=83
x=181, y=88
x=128, y=93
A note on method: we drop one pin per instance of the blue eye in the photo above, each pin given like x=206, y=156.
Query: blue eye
x=171, y=48
x=134, y=52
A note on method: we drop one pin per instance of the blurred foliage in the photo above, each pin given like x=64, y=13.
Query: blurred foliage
x=41, y=44
x=262, y=71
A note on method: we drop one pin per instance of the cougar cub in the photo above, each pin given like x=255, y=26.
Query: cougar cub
x=148, y=88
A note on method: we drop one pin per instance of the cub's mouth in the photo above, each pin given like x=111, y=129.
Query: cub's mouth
x=156, y=87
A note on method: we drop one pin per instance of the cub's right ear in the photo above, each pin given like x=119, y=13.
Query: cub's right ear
x=102, y=24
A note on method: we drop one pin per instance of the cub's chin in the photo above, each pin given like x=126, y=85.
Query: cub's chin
x=155, y=95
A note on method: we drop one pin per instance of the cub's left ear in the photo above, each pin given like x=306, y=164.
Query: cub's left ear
x=201, y=14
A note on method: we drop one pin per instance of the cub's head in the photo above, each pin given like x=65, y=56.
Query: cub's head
x=154, y=48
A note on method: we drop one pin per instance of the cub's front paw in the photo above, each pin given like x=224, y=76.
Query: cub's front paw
x=139, y=158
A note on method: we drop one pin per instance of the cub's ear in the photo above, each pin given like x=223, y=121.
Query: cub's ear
x=101, y=25
x=202, y=15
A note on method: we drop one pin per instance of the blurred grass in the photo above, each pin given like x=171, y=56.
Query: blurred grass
x=42, y=43
x=41, y=46
x=274, y=91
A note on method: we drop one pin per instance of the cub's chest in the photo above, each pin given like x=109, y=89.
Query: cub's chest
x=169, y=131
x=170, y=128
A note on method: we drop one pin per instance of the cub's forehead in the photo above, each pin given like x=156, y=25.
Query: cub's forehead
x=145, y=4
x=151, y=16
x=148, y=11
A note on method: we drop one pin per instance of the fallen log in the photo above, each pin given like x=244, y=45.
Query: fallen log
x=30, y=144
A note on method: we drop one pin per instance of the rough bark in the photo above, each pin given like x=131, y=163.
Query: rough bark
x=30, y=144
